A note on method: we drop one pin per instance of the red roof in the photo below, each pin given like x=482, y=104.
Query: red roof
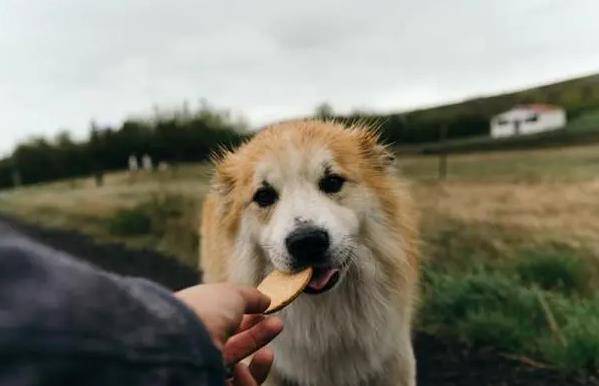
x=538, y=107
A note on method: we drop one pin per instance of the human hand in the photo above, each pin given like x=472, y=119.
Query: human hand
x=221, y=307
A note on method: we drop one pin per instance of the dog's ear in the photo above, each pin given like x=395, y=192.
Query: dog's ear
x=223, y=180
x=385, y=156
x=374, y=150
x=223, y=183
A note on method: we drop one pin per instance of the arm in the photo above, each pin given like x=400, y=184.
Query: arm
x=66, y=322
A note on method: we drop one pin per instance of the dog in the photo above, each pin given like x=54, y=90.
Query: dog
x=321, y=194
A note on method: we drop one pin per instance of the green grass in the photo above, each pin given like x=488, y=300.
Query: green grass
x=580, y=328
x=492, y=304
x=483, y=284
x=554, y=270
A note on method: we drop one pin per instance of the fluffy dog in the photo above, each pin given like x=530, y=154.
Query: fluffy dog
x=312, y=193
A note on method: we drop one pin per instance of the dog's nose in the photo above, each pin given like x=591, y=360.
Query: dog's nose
x=307, y=245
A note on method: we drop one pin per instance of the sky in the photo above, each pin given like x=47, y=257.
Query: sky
x=64, y=63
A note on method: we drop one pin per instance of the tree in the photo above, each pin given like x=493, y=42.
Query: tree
x=169, y=138
x=324, y=111
x=94, y=151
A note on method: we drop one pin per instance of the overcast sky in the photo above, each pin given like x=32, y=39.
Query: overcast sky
x=63, y=63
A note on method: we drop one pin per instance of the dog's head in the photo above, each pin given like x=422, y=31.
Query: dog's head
x=299, y=194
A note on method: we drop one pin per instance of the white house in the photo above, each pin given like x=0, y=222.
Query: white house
x=527, y=119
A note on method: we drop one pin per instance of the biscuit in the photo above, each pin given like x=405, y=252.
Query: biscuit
x=283, y=287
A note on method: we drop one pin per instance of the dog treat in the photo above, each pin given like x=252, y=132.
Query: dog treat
x=283, y=287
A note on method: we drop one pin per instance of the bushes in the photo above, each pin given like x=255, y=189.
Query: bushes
x=493, y=328
x=558, y=271
x=482, y=308
x=579, y=321
x=129, y=222
x=171, y=220
x=499, y=305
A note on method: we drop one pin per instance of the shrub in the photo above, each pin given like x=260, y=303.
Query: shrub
x=499, y=308
x=172, y=220
x=494, y=328
x=129, y=222
x=161, y=208
x=580, y=329
x=554, y=270
x=482, y=308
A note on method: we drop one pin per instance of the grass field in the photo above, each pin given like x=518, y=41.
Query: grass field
x=511, y=240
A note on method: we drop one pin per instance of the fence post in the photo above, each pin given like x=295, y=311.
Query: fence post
x=16, y=177
x=443, y=152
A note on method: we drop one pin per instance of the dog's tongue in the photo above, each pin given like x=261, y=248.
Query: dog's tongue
x=321, y=278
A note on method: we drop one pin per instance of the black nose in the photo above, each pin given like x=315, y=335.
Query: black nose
x=307, y=245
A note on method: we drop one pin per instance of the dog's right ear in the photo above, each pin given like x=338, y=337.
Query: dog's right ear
x=223, y=185
x=224, y=180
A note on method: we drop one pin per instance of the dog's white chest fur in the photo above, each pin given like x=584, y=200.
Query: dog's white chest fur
x=344, y=337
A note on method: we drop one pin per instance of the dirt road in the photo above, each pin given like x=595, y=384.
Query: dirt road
x=440, y=363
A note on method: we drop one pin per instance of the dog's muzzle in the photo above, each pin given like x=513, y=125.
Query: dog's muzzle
x=308, y=245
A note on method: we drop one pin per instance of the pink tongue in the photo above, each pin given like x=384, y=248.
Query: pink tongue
x=321, y=278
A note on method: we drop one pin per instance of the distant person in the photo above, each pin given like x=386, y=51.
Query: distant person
x=133, y=164
x=63, y=322
x=147, y=163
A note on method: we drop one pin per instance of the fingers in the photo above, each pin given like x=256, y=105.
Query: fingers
x=242, y=376
x=261, y=363
x=249, y=299
x=256, y=373
x=255, y=301
x=250, y=321
x=251, y=340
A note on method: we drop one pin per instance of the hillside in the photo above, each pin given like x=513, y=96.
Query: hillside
x=575, y=95
x=580, y=98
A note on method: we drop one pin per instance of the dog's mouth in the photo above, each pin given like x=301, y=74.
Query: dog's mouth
x=323, y=279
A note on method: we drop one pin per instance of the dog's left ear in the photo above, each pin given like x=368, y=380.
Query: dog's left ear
x=385, y=156
x=371, y=148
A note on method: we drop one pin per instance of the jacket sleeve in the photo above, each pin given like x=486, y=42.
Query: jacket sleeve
x=64, y=322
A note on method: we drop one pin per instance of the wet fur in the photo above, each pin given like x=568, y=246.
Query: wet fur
x=359, y=332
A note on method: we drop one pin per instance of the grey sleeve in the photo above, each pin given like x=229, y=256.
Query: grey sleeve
x=64, y=322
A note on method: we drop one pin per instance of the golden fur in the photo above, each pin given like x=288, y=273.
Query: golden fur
x=384, y=275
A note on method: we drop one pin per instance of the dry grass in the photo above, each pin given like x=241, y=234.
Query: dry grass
x=80, y=205
x=120, y=190
x=560, y=165
x=539, y=196
x=565, y=211
x=532, y=196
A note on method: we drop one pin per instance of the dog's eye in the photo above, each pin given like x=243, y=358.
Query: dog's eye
x=331, y=183
x=265, y=196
